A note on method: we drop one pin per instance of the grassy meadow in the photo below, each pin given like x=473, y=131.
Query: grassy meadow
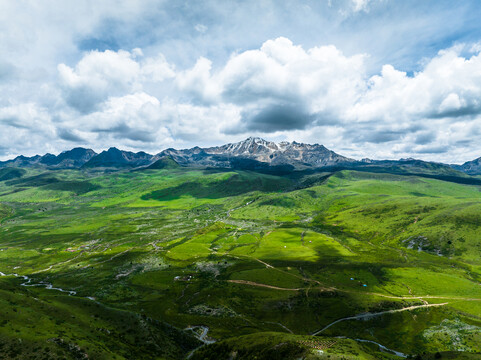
x=260, y=260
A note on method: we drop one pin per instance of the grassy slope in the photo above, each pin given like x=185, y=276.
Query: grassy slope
x=123, y=238
x=273, y=346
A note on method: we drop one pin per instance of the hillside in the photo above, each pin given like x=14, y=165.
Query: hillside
x=228, y=254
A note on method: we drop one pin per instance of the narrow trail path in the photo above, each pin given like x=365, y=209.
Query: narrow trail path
x=371, y=315
x=401, y=297
x=282, y=271
x=60, y=263
x=323, y=287
x=110, y=259
x=239, y=207
x=281, y=325
x=251, y=283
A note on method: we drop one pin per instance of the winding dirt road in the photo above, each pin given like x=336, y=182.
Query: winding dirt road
x=251, y=283
x=371, y=315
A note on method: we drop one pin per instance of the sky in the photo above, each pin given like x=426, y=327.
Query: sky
x=382, y=79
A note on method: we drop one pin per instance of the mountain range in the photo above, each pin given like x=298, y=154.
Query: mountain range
x=252, y=154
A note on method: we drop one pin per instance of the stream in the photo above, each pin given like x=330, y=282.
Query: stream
x=49, y=286
x=28, y=282
x=203, y=336
x=382, y=347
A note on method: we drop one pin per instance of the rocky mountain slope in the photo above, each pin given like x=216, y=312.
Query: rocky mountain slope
x=471, y=167
x=252, y=153
x=259, y=150
x=74, y=158
x=115, y=158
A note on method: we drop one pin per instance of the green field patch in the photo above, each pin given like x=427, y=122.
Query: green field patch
x=11, y=173
x=435, y=282
x=288, y=279
x=282, y=207
x=5, y=211
x=325, y=246
x=219, y=186
x=156, y=280
x=231, y=243
x=285, y=244
x=63, y=327
x=198, y=246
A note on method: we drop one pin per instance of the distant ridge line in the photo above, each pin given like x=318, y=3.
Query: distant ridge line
x=253, y=153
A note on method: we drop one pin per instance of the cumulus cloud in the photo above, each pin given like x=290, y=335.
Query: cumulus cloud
x=281, y=86
x=197, y=124
x=448, y=86
x=140, y=98
x=25, y=128
x=273, y=118
x=282, y=71
x=96, y=77
x=275, y=90
x=198, y=82
x=136, y=118
x=69, y=135
x=100, y=75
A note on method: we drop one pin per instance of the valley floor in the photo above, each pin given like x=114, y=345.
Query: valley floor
x=161, y=263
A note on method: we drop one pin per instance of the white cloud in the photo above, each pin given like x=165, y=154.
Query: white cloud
x=360, y=5
x=24, y=128
x=100, y=75
x=452, y=102
x=135, y=119
x=278, y=88
x=200, y=28
x=322, y=87
x=200, y=124
x=156, y=69
x=449, y=85
x=321, y=79
x=97, y=76
x=198, y=81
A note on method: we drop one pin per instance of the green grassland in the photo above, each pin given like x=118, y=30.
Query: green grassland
x=275, y=346
x=263, y=261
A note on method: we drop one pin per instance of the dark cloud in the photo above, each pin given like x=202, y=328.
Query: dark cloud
x=68, y=135
x=123, y=131
x=464, y=143
x=375, y=132
x=84, y=99
x=375, y=136
x=4, y=150
x=464, y=111
x=277, y=118
x=437, y=149
x=241, y=94
x=13, y=122
x=425, y=138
